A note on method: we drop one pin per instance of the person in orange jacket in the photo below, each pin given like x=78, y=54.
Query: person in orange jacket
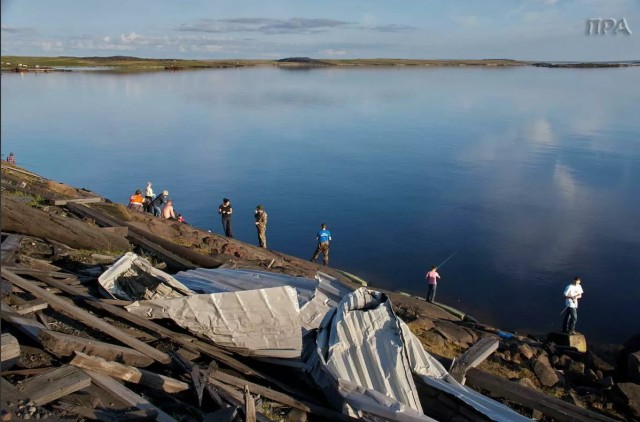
x=136, y=200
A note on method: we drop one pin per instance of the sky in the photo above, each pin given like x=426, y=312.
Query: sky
x=275, y=29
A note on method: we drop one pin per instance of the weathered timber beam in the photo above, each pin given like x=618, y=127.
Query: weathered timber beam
x=473, y=357
x=129, y=373
x=31, y=306
x=280, y=397
x=92, y=321
x=236, y=398
x=129, y=397
x=10, y=349
x=55, y=384
x=30, y=327
x=558, y=409
x=155, y=329
x=174, y=251
x=63, y=345
x=60, y=202
x=9, y=247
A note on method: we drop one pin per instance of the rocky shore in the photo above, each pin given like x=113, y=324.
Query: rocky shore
x=49, y=228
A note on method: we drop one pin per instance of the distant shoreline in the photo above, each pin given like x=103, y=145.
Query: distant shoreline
x=136, y=64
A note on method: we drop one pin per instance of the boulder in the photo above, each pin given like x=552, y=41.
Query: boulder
x=633, y=367
x=629, y=394
x=456, y=333
x=526, y=351
x=433, y=338
x=574, y=368
x=597, y=363
x=545, y=372
x=576, y=341
x=606, y=382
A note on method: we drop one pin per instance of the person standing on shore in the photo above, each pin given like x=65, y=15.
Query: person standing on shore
x=324, y=240
x=11, y=159
x=148, y=197
x=261, y=225
x=572, y=293
x=432, y=277
x=225, y=211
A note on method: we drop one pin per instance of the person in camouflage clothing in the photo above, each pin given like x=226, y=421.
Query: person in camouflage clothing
x=261, y=225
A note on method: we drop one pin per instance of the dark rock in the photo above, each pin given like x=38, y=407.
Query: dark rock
x=629, y=394
x=599, y=374
x=544, y=359
x=516, y=358
x=456, y=333
x=507, y=355
x=555, y=361
x=576, y=341
x=433, y=338
x=591, y=375
x=633, y=367
x=574, y=368
x=633, y=344
x=606, y=382
x=526, y=351
x=564, y=361
x=597, y=363
x=545, y=372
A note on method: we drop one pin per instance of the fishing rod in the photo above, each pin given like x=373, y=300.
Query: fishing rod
x=448, y=258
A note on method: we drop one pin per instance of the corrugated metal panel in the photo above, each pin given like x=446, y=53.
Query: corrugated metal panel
x=362, y=342
x=264, y=322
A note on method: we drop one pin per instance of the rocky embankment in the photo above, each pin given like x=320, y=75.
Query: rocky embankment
x=62, y=228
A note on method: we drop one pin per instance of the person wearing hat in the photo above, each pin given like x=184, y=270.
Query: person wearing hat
x=225, y=211
x=160, y=200
x=136, y=200
x=324, y=239
x=261, y=225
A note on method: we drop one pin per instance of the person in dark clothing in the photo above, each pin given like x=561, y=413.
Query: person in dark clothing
x=225, y=211
x=158, y=202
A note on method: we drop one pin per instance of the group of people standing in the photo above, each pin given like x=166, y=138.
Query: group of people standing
x=226, y=212
x=158, y=205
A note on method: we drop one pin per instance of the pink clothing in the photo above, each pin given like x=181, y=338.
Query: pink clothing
x=432, y=277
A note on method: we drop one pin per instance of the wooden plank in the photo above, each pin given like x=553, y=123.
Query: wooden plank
x=129, y=373
x=249, y=406
x=120, y=230
x=31, y=306
x=92, y=321
x=92, y=200
x=279, y=397
x=30, y=327
x=473, y=357
x=9, y=247
x=106, y=415
x=558, y=409
x=29, y=371
x=55, y=384
x=129, y=397
x=62, y=345
x=9, y=351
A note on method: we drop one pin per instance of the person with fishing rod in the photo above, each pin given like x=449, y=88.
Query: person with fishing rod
x=432, y=277
x=572, y=293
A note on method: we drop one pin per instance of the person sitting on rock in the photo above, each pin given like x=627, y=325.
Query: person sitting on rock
x=181, y=219
x=11, y=159
x=136, y=200
x=167, y=211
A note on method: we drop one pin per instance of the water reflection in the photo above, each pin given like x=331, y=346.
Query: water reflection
x=529, y=173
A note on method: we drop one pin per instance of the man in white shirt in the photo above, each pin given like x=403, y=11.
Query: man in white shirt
x=572, y=293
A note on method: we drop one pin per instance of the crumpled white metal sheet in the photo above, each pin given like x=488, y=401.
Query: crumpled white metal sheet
x=315, y=296
x=132, y=277
x=263, y=322
x=362, y=342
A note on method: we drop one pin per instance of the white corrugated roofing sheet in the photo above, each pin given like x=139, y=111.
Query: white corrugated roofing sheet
x=363, y=343
x=264, y=322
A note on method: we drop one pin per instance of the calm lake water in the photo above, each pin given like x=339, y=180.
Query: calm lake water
x=531, y=175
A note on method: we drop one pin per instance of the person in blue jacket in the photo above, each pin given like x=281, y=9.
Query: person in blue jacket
x=324, y=239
